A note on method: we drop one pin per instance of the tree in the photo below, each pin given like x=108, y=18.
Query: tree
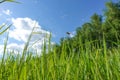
x=93, y=32
x=96, y=22
x=112, y=22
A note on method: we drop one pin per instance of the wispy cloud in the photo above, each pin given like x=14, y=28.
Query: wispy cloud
x=7, y=12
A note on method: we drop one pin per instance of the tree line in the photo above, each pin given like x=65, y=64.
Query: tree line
x=100, y=28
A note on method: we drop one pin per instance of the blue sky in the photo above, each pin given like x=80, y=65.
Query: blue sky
x=56, y=16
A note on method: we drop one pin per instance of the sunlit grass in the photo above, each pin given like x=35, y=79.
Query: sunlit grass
x=89, y=64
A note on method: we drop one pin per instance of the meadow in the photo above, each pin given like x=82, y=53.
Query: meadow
x=92, y=54
x=90, y=64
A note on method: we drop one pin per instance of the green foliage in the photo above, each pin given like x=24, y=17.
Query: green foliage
x=107, y=25
x=90, y=64
x=112, y=21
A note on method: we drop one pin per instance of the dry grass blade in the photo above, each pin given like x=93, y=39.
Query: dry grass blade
x=9, y=1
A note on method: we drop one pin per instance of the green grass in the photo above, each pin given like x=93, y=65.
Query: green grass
x=89, y=64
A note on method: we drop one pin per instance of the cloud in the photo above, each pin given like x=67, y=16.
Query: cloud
x=23, y=28
x=7, y=12
x=17, y=48
x=1, y=50
x=21, y=32
x=71, y=34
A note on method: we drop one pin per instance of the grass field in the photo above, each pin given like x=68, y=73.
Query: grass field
x=90, y=61
x=88, y=64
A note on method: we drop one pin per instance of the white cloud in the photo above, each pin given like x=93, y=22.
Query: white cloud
x=71, y=34
x=7, y=12
x=22, y=30
x=1, y=50
x=17, y=48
